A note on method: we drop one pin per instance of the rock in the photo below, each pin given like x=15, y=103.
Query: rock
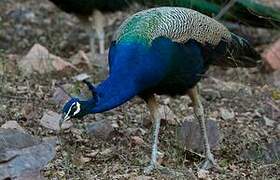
x=137, y=140
x=59, y=96
x=226, y=114
x=268, y=122
x=80, y=60
x=101, y=129
x=28, y=111
x=12, y=125
x=40, y=60
x=189, y=135
x=51, y=119
x=22, y=156
x=271, y=57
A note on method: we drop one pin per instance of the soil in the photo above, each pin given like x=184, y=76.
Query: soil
x=245, y=137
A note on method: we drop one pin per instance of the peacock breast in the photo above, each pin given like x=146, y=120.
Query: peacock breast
x=185, y=65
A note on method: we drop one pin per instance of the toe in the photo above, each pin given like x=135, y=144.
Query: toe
x=149, y=169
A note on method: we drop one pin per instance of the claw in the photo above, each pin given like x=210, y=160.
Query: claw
x=149, y=169
x=209, y=163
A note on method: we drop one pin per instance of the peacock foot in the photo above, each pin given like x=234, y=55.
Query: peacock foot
x=209, y=162
x=150, y=168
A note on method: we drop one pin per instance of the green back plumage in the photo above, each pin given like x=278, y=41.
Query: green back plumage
x=177, y=24
x=139, y=28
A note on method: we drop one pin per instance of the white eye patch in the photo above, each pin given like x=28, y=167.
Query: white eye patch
x=67, y=116
x=78, y=108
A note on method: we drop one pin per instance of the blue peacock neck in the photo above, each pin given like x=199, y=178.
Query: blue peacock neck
x=113, y=92
x=128, y=63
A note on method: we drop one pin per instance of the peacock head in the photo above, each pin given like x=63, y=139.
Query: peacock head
x=77, y=108
x=72, y=109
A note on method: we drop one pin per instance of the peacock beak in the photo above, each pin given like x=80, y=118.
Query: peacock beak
x=64, y=117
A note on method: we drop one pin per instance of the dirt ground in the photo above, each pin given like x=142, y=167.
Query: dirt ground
x=248, y=93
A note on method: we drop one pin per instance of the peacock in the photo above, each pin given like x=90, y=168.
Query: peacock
x=247, y=12
x=84, y=9
x=164, y=50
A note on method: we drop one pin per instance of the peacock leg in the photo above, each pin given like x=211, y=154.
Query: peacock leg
x=99, y=23
x=154, y=110
x=199, y=114
x=91, y=34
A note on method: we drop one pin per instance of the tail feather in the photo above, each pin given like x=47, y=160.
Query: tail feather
x=242, y=53
x=237, y=53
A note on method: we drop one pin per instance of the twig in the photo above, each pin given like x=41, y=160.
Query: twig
x=274, y=106
x=16, y=97
x=225, y=9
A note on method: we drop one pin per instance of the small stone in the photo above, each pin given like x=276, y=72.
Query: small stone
x=203, y=174
x=51, y=119
x=137, y=140
x=12, y=125
x=268, y=122
x=189, y=135
x=106, y=152
x=84, y=160
x=28, y=111
x=168, y=115
x=226, y=114
x=160, y=157
x=115, y=124
x=101, y=129
x=93, y=153
x=81, y=77
x=166, y=101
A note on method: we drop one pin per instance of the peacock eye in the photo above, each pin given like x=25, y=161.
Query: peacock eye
x=74, y=108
